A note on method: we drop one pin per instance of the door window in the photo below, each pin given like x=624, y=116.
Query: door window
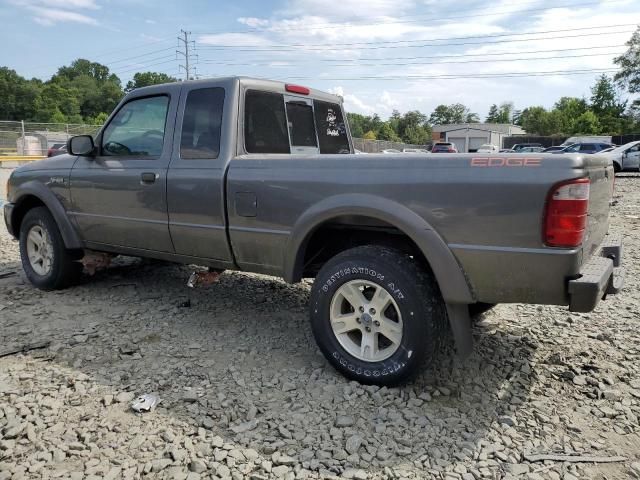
x=587, y=147
x=265, y=123
x=200, y=137
x=137, y=129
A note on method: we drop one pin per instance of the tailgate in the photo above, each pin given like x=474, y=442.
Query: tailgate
x=601, y=175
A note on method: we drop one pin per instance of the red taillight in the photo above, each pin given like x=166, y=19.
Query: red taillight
x=566, y=214
x=296, y=89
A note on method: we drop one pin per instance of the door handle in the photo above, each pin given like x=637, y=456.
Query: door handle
x=148, y=177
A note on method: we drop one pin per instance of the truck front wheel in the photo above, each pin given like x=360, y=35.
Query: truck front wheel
x=377, y=314
x=46, y=262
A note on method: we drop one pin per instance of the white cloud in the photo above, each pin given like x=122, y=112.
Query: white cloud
x=49, y=16
x=253, y=21
x=70, y=4
x=150, y=22
x=348, y=8
x=51, y=12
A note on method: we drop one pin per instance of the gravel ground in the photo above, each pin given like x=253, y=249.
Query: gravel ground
x=246, y=394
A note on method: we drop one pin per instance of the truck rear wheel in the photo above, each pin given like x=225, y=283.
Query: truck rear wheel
x=46, y=262
x=377, y=314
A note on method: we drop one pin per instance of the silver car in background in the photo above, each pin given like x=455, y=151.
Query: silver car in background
x=625, y=157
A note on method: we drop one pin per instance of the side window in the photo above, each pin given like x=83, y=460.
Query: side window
x=587, y=147
x=200, y=137
x=332, y=131
x=137, y=129
x=265, y=123
x=302, y=131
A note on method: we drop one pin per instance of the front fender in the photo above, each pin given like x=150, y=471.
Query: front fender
x=448, y=273
x=38, y=190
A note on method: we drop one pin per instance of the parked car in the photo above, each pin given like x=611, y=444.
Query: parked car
x=444, y=147
x=255, y=175
x=589, y=148
x=625, y=157
x=587, y=139
x=488, y=148
x=391, y=150
x=530, y=150
x=507, y=150
x=518, y=146
x=555, y=148
x=57, y=149
x=414, y=150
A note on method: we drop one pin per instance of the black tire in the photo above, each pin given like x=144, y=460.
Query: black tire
x=476, y=309
x=616, y=168
x=418, y=299
x=65, y=269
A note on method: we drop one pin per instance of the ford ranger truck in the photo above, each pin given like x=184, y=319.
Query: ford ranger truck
x=260, y=176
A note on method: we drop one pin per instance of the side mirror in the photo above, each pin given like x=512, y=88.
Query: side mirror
x=81, y=145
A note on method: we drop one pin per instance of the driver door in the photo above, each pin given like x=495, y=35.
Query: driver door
x=119, y=196
x=632, y=158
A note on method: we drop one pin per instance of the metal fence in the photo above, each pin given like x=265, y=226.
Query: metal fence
x=34, y=139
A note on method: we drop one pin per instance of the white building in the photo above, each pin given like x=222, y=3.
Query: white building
x=469, y=136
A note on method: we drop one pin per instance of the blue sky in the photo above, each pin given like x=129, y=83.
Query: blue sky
x=428, y=52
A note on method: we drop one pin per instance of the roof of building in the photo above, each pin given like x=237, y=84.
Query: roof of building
x=506, y=128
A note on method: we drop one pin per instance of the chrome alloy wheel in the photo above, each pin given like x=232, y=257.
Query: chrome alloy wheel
x=39, y=250
x=366, y=320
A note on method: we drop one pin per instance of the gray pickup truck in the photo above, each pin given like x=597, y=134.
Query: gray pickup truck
x=261, y=176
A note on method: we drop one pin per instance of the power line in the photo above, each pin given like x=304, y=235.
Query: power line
x=359, y=64
x=467, y=55
x=141, y=66
x=415, y=20
x=458, y=76
x=394, y=44
x=139, y=56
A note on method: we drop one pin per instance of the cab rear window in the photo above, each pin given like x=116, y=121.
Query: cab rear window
x=274, y=123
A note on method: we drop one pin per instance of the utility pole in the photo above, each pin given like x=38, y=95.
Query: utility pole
x=184, y=39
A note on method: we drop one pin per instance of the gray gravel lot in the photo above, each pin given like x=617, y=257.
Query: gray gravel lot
x=246, y=394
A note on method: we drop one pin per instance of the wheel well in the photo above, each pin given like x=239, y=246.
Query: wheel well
x=21, y=209
x=348, y=231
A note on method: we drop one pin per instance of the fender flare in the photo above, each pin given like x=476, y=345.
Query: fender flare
x=37, y=189
x=448, y=272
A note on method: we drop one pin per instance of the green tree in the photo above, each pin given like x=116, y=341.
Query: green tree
x=98, y=90
x=359, y=124
x=17, y=96
x=587, y=124
x=370, y=135
x=492, y=116
x=145, y=79
x=535, y=120
x=567, y=110
x=629, y=63
x=412, y=127
x=472, y=118
x=386, y=132
x=608, y=106
x=505, y=112
x=448, y=114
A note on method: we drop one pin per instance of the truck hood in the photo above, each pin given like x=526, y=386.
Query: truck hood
x=59, y=162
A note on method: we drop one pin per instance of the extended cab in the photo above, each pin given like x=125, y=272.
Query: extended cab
x=261, y=176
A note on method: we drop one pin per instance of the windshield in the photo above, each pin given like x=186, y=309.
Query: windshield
x=624, y=147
